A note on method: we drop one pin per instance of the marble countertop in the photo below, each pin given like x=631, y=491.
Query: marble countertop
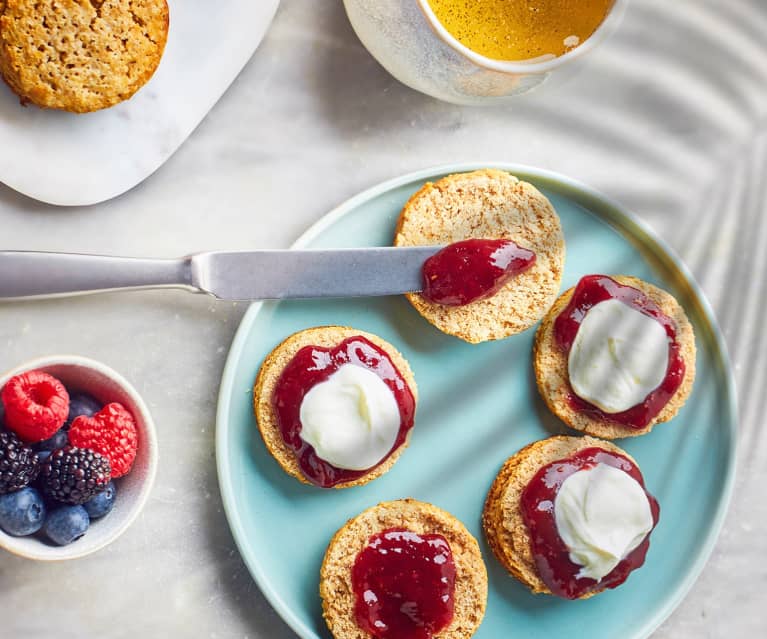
x=669, y=117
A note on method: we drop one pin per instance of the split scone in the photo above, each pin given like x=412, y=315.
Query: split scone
x=403, y=568
x=614, y=356
x=335, y=406
x=570, y=516
x=487, y=205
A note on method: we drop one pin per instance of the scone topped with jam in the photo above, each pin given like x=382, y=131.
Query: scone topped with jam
x=403, y=569
x=615, y=356
x=80, y=55
x=502, y=268
x=335, y=406
x=570, y=516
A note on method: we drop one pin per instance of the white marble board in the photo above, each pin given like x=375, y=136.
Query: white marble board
x=67, y=159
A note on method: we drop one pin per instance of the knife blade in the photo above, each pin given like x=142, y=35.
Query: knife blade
x=226, y=275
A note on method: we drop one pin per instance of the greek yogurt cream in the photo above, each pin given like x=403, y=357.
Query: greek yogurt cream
x=619, y=356
x=601, y=514
x=351, y=419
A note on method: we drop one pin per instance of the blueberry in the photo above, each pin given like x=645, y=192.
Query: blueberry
x=42, y=455
x=101, y=504
x=66, y=524
x=22, y=512
x=82, y=404
x=57, y=440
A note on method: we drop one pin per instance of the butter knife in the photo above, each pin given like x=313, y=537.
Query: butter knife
x=226, y=275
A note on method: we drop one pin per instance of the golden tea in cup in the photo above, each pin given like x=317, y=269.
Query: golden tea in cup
x=481, y=51
x=521, y=29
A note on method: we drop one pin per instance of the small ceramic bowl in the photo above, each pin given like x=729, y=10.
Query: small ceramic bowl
x=410, y=42
x=106, y=385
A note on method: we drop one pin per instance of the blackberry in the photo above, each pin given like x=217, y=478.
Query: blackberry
x=73, y=475
x=18, y=463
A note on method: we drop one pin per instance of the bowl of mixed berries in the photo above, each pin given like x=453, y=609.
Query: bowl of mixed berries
x=78, y=456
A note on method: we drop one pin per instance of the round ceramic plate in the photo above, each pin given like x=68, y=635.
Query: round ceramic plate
x=478, y=405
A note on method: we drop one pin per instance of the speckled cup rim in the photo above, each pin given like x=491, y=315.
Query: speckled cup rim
x=608, y=25
x=41, y=551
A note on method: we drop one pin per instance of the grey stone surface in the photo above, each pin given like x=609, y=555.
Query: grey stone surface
x=669, y=117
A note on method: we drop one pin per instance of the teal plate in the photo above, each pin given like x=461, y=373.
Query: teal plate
x=478, y=405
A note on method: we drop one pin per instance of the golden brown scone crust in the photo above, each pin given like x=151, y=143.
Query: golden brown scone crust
x=419, y=517
x=502, y=521
x=488, y=204
x=271, y=369
x=80, y=55
x=550, y=365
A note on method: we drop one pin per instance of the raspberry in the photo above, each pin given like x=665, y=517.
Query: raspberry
x=111, y=432
x=74, y=475
x=18, y=463
x=36, y=405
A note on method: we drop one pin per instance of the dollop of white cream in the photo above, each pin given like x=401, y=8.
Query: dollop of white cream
x=571, y=41
x=351, y=419
x=602, y=514
x=619, y=356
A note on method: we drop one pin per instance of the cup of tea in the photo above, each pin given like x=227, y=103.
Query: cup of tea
x=480, y=51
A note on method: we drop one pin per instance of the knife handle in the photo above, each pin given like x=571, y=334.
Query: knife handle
x=28, y=274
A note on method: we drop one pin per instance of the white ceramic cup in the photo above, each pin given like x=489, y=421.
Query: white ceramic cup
x=106, y=385
x=410, y=43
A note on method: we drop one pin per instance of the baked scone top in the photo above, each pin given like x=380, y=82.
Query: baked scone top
x=80, y=55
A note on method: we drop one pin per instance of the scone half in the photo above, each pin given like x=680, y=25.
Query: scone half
x=268, y=377
x=336, y=590
x=502, y=518
x=550, y=363
x=488, y=204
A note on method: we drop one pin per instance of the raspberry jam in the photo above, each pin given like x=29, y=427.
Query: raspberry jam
x=551, y=555
x=404, y=585
x=472, y=270
x=591, y=290
x=314, y=364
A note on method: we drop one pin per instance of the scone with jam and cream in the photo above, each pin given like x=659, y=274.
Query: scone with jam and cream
x=614, y=356
x=570, y=516
x=335, y=406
